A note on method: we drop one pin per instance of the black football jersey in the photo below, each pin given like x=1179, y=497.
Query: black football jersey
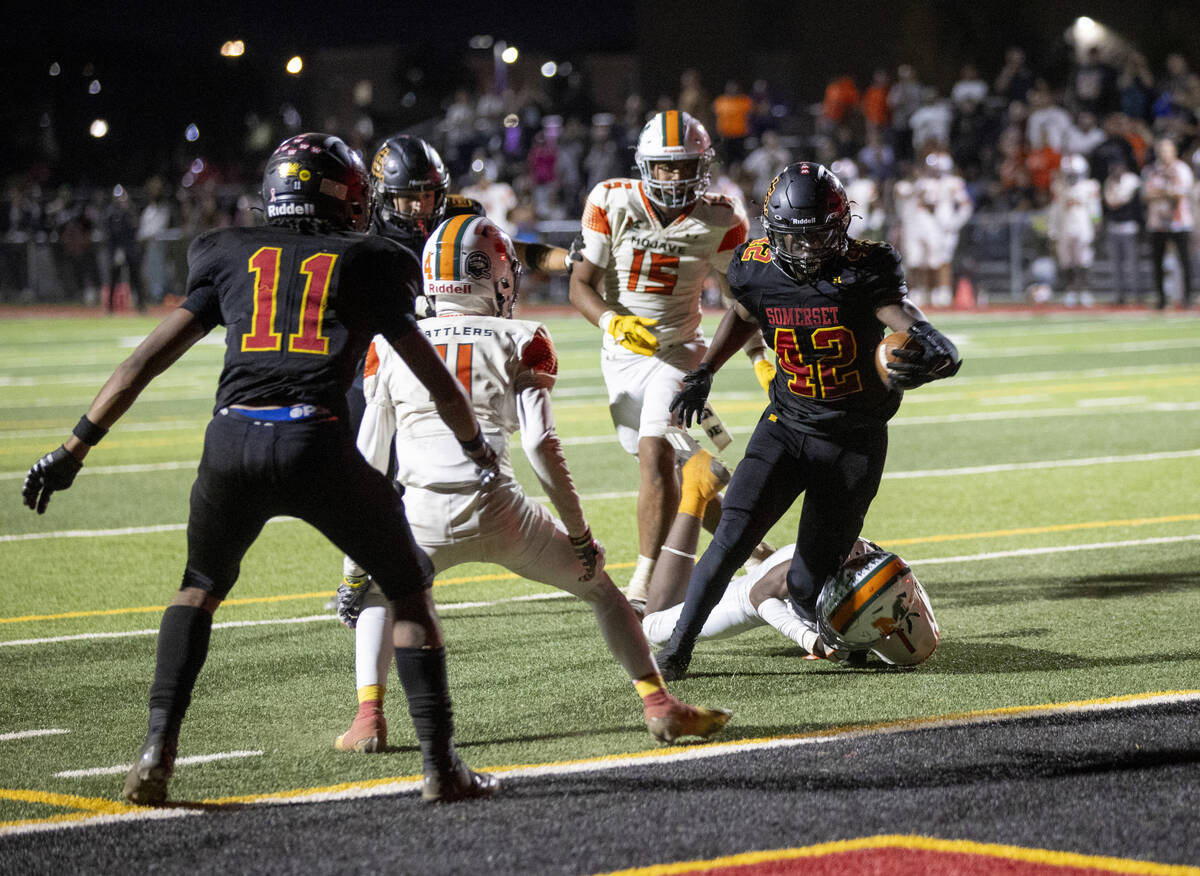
x=824, y=333
x=299, y=309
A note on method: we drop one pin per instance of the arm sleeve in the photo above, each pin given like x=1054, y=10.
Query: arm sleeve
x=595, y=227
x=539, y=439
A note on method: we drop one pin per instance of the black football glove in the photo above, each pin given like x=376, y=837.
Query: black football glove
x=689, y=402
x=54, y=471
x=575, y=253
x=937, y=358
x=590, y=553
x=351, y=594
x=487, y=464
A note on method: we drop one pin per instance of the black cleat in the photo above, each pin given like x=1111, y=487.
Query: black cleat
x=146, y=782
x=460, y=783
x=672, y=664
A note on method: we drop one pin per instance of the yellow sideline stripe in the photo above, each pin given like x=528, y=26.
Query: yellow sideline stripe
x=251, y=600
x=1040, y=530
x=95, y=806
x=508, y=576
x=919, y=843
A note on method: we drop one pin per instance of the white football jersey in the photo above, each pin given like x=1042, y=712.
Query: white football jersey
x=493, y=358
x=655, y=271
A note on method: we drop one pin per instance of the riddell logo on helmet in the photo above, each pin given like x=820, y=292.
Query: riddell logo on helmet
x=290, y=209
x=436, y=287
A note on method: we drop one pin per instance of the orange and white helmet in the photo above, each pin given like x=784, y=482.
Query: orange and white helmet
x=470, y=267
x=674, y=137
x=874, y=602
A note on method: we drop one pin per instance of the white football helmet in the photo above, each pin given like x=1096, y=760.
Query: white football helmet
x=470, y=267
x=674, y=137
x=874, y=602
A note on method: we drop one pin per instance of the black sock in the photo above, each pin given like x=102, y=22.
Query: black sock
x=182, y=648
x=422, y=673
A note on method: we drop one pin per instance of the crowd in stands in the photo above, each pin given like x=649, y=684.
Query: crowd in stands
x=1007, y=136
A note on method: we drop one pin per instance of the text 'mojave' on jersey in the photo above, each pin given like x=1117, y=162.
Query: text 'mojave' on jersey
x=655, y=271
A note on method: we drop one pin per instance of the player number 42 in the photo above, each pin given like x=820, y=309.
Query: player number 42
x=309, y=336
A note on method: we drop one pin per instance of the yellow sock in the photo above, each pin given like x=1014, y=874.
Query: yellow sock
x=650, y=685
x=370, y=693
x=699, y=484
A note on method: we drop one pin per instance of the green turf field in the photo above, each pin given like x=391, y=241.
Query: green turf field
x=1046, y=498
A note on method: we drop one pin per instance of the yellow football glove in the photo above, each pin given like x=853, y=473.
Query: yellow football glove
x=765, y=372
x=631, y=331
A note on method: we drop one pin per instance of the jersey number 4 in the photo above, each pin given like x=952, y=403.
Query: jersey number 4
x=663, y=271
x=829, y=375
x=309, y=337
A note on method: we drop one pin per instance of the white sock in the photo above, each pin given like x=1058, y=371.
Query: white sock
x=639, y=583
x=373, y=641
x=732, y=615
x=777, y=613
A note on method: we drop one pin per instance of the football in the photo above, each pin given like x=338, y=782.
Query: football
x=883, y=352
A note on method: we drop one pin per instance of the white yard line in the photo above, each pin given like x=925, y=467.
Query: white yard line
x=124, y=768
x=625, y=494
x=31, y=734
x=537, y=597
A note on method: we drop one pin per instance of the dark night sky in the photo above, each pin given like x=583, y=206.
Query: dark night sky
x=159, y=66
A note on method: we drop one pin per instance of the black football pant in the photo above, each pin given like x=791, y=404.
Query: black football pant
x=254, y=470
x=838, y=478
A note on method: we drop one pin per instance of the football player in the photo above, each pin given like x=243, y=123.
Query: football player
x=300, y=303
x=905, y=636
x=822, y=301
x=933, y=208
x=411, y=188
x=648, y=246
x=509, y=367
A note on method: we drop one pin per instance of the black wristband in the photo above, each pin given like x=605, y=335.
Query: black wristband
x=88, y=432
x=474, y=445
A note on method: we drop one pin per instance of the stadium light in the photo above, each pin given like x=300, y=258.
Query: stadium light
x=98, y=128
x=295, y=65
x=481, y=41
x=94, y=87
x=192, y=133
x=549, y=69
x=55, y=69
x=510, y=55
x=233, y=48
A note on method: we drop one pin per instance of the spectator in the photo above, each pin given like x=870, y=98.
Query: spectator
x=1015, y=79
x=904, y=99
x=1114, y=148
x=497, y=197
x=123, y=249
x=1167, y=191
x=1084, y=136
x=765, y=162
x=841, y=99
x=604, y=159
x=877, y=159
x=969, y=87
x=1178, y=90
x=1094, y=85
x=1135, y=87
x=875, y=110
x=972, y=138
x=153, y=224
x=732, y=110
x=693, y=98
x=541, y=164
x=931, y=122
x=1123, y=225
x=768, y=111
x=1071, y=225
x=1048, y=121
x=1043, y=161
x=866, y=211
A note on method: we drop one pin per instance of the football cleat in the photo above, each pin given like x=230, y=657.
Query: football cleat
x=146, y=782
x=368, y=732
x=460, y=783
x=672, y=665
x=676, y=719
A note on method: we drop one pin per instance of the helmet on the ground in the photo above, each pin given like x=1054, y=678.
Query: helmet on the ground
x=471, y=267
x=679, y=140
x=805, y=215
x=874, y=602
x=407, y=170
x=317, y=177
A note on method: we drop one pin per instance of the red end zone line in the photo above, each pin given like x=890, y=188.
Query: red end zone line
x=899, y=855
